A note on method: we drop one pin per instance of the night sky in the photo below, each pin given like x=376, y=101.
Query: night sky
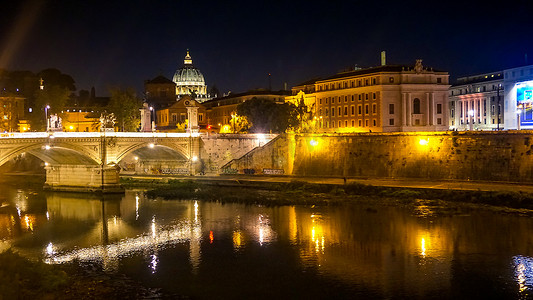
x=237, y=44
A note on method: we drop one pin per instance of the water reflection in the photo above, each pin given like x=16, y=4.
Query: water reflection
x=390, y=251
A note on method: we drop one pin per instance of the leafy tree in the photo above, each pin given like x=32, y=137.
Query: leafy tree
x=55, y=77
x=55, y=97
x=267, y=116
x=125, y=105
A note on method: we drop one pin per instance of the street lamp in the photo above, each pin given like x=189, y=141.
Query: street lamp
x=471, y=115
x=46, y=117
x=151, y=119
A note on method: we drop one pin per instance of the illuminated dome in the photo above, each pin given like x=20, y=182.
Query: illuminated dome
x=189, y=79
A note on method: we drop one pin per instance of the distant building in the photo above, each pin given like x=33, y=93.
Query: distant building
x=518, y=87
x=220, y=111
x=160, y=92
x=11, y=112
x=476, y=102
x=186, y=112
x=387, y=98
x=189, y=79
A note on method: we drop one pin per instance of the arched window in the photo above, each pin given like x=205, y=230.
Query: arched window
x=416, y=106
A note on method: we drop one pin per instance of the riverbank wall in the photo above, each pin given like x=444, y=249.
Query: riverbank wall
x=487, y=156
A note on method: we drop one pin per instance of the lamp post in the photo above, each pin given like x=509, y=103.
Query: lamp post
x=152, y=125
x=46, y=117
x=471, y=119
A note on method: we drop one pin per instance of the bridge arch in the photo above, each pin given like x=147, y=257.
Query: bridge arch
x=54, y=153
x=181, y=150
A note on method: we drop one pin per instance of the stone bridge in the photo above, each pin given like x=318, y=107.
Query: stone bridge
x=92, y=161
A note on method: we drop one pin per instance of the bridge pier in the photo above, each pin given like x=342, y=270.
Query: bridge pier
x=83, y=178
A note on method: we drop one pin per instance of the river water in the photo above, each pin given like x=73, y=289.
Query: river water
x=213, y=250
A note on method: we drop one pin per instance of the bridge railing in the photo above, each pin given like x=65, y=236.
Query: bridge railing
x=26, y=135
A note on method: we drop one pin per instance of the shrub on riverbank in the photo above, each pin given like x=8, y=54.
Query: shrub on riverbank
x=301, y=192
x=22, y=279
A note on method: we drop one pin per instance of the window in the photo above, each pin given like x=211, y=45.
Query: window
x=453, y=113
x=391, y=79
x=360, y=123
x=374, y=96
x=391, y=109
x=200, y=117
x=439, y=121
x=333, y=112
x=345, y=98
x=374, y=108
x=359, y=97
x=439, y=108
x=366, y=96
x=439, y=80
x=374, y=122
x=340, y=111
x=366, y=123
x=391, y=122
x=320, y=101
x=345, y=123
x=346, y=110
x=360, y=109
x=373, y=80
x=340, y=124
x=353, y=123
x=327, y=112
x=353, y=110
x=366, y=109
x=416, y=106
x=353, y=98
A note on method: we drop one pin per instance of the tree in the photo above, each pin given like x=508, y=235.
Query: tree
x=267, y=116
x=55, y=98
x=55, y=77
x=125, y=105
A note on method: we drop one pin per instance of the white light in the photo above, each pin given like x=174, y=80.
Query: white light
x=47, y=147
x=195, y=158
x=151, y=145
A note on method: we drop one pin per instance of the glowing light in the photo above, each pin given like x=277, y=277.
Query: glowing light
x=136, y=158
x=151, y=145
x=423, y=142
x=211, y=237
x=136, y=207
x=50, y=249
x=237, y=239
x=153, y=263
x=195, y=158
x=313, y=143
x=524, y=272
x=47, y=147
x=423, y=247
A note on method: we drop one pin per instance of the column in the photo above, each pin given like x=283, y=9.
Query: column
x=427, y=109
x=404, y=109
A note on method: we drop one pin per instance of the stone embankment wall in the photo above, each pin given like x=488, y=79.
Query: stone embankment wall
x=501, y=156
x=219, y=149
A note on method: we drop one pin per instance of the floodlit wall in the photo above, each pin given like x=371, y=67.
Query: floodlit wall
x=501, y=156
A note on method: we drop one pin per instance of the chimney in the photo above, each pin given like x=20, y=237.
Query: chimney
x=383, y=58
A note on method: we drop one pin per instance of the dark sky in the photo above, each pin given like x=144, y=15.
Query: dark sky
x=237, y=44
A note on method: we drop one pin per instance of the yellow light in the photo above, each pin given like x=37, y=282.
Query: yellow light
x=423, y=142
x=151, y=145
x=313, y=143
x=71, y=127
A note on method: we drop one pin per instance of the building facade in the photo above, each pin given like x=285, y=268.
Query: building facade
x=387, y=98
x=518, y=108
x=11, y=112
x=476, y=102
x=180, y=116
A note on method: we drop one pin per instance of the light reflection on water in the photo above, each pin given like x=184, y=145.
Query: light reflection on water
x=177, y=245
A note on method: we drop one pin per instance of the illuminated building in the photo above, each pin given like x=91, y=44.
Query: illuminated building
x=11, y=112
x=220, y=111
x=80, y=121
x=476, y=102
x=518, y=86
x=168, y=118
x=189, y=79
x=386, y=98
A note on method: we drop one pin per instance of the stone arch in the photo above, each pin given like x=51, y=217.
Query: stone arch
x=59, y=149
x=183, y=151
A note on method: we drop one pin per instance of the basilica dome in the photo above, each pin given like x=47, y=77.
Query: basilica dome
x=189, y=79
